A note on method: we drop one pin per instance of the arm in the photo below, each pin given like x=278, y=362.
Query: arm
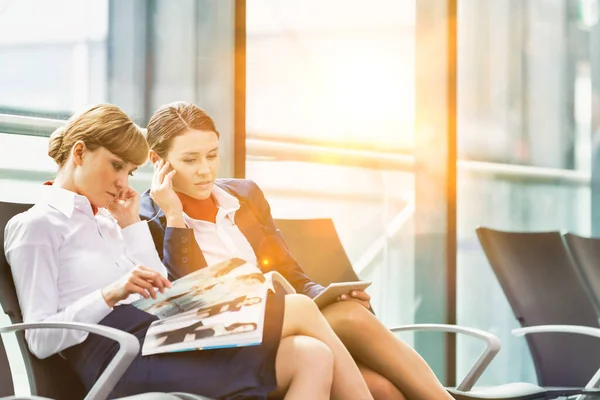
x=128, y=349
x=175, y=244
x=492, y=347
x=139, y=247
x=594, y=382
x=35, y=272
x=285, y=263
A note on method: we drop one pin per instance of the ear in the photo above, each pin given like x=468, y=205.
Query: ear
x=154, y=157
x=78, y=151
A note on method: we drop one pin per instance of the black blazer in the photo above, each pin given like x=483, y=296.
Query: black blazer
x=181, y=254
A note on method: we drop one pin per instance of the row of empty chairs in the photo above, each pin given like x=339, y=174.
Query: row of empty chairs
x=544, y=288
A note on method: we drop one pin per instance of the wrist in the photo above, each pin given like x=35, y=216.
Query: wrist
x=176, y=221
x=109, y=297
x=129, y=221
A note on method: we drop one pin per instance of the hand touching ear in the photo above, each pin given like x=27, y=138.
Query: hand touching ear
x=163, y=194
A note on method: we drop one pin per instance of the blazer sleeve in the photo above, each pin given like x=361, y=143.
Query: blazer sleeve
x=176, y=247
x=285, y=264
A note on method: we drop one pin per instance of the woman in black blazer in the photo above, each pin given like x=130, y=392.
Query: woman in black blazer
x=195, y=218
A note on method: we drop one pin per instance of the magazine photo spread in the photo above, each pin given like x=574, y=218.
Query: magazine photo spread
x=219, y=306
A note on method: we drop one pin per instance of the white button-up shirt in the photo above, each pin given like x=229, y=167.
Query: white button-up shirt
x=62, y=256
x=222, y=240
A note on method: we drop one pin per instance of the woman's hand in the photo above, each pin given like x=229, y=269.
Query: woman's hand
x=358, y=296
x=140, y=280
x=163, y=194
x=126, y=209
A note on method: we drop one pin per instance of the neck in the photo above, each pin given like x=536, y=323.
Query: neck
x=205, y=209
x=65, y=180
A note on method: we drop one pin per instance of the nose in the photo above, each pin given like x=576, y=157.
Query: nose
x=203, y=167
x=122, y=183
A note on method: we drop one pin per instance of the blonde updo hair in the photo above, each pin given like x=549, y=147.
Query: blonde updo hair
x=174, y=119
x=102, y=125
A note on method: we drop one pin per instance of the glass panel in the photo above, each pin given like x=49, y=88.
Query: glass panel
x=53, y=56
x=342, y=75
x=525, y=105
x=338, y=79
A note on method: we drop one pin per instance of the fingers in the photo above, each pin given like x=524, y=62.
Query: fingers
x=153, y=277
x=360, y=295
x=141, y=286
x=157, y=166
x=348, y=297
x=169, y=177
x=162, y=172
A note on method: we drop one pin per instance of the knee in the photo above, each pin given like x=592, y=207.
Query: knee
x=382, y=389
x=301, y=303
x=347, y=316
x=315, y=356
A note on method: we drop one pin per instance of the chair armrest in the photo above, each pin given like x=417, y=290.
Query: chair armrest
x=492, y=347
x=580, y=330
x=129, y=347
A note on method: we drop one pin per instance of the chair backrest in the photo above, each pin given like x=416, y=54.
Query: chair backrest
x=316, y=246
x=50, y=377
x=543, y=288
x=586, y=253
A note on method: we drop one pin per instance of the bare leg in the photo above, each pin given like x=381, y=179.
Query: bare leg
x=302, y=317
x=379, y=386
x=374, y=345
x=304, y=368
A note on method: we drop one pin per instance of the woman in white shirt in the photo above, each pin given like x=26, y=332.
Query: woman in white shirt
x=81, y=252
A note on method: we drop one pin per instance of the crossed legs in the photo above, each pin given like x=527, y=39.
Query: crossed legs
x=383, y=354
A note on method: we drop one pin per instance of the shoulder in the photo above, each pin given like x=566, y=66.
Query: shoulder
x=240, y=188
x=40, y=224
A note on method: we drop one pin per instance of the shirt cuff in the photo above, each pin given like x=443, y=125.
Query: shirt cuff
x=92, y=308
x=138, y=236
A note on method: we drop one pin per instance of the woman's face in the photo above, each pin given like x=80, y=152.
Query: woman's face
x=195, y=157
x=100, y=175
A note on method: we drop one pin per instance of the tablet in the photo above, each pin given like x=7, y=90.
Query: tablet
x=331, y=292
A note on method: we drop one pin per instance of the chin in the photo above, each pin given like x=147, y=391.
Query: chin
x=202, y=194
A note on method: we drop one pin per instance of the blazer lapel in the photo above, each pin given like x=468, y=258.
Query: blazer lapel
x=250, y=226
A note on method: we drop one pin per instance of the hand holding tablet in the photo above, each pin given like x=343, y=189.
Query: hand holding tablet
x=336, y=289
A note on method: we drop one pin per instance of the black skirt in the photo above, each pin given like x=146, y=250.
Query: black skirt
x=229, y=373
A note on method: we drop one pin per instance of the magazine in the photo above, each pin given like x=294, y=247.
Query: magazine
x=219, y=306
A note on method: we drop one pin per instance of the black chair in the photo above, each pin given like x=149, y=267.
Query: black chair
x=586, y=254
x=316, y=246
x=52, y=377
x=6, y=384
x=546, y=295
x=328, y=262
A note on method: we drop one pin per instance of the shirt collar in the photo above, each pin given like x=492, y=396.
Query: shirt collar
x=66, y=201
x=224, y=200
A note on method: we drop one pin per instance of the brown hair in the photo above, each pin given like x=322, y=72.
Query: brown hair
x=172, y=120
x=103, y=125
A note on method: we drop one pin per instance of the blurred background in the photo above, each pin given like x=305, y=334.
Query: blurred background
x=407, y=132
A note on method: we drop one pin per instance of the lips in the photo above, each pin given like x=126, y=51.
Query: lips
x=112, y=194
x=203, y=183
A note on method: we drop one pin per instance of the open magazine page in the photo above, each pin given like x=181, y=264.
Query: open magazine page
x=218, y=306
